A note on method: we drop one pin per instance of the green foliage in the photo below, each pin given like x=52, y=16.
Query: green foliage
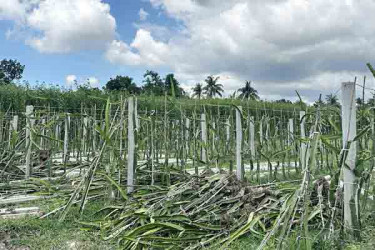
x=198, y=90
x=10, y=70
x=172, y=86
x=213, y=88
x=332, y=99
x=283, y=101
x=248, y=92
x=153, y=84
x=48, y=233
x=16, y=97
x=124, y=83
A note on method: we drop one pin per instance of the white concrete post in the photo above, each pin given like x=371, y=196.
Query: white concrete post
x=204, y=137
x=29, y=125
x=351, y=206
x=94, y=123
x=66, y=139
x=227, y=129
x=131, y=145
x=187, y=136
x=57, y=131
x=303, y=136
x=15, y=123
x=137, y=122
x=43, y=133
x=213, y=136
x=261, y=132
x=267, y=133
x=13, y=127
x=290, y=132
x=84, y=137
x=252, y=138
x=239, y=172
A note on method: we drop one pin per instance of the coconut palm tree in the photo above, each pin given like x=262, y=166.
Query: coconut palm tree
x=248, y=92
x=198, y=90
x=213, y=88
x=332, y=99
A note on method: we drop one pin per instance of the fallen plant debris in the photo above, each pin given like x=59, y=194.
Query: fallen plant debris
x=212, y=209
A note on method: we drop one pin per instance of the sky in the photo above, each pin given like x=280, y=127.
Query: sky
x=311, y=46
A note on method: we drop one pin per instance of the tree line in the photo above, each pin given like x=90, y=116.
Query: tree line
x=153, y=84
x=156, y=85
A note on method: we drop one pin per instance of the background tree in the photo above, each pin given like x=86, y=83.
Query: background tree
x=213, y=88
x=248, y=92
x=153, y=84
x=124, y=83
x=283, y=101
x=172, y=85
x=332, y=99
x=2, y=75
x=198, y=90
x=10, y=70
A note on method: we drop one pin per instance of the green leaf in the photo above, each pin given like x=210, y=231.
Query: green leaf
x=114, y=183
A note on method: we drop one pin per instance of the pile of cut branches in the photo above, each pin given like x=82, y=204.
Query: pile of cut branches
x=213, y=209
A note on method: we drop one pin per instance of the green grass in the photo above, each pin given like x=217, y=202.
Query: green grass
x=49, y=233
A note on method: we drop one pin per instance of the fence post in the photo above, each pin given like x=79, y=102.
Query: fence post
x=1, y=125
x=204, y=137
x=66, y=140
x=267, y=134
x=57, y=132
x=137, y=123
x=351, y=203
x=290, y=132
x=227, y=132
x=84, y=139
x=213, y=136
x=29, y=124
x=239, y=170
x=303, y=135
x=261, y=132
x=15, y=123
x=187, y=137
x=43, y=133
x=13, y=127
x=252, y=137
x=131, y=145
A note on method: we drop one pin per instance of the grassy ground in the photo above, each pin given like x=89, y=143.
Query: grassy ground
x=34, y=233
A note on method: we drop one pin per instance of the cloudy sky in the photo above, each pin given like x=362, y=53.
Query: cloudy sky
x=280, y=45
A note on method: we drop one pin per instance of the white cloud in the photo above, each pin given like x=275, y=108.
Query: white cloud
x=12, y=10
x=119, y=52
x=175, y=8
x=142, y=14
x=63, y=26
x=70, y=80
x=94, y=82
x=144, y=50
x=279, y=45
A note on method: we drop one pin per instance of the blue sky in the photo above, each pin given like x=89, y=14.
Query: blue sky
x=281, y=46
x=53, y=68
